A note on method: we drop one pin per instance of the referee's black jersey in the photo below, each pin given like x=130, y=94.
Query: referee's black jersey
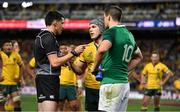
x=45, y=44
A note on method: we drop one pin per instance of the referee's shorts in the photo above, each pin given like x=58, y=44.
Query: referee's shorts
x=47, y=87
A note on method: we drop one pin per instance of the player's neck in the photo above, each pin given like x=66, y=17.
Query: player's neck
x=50, y=29
x=154, y=64
x=98, y=40
x=7, y=53
x=113, y=23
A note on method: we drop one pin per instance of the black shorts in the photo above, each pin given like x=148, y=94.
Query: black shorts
x=91, y=99
x=47, y=87
x=153, y=92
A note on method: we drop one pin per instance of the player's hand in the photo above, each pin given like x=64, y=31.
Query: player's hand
x=79, y=49
x=161, y=83
x=17, y=78
x=1, y=78
x=95, y=71
x=23, y=83
x=79, y=91
x=144, y=84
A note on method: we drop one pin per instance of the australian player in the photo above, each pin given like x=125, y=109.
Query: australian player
x=153, y=78
x=87, y=60
x=10, y=77
x=68, y=93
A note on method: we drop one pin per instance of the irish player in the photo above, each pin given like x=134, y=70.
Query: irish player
x=118, y=54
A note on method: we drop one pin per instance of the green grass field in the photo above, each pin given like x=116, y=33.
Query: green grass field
x=29, y=104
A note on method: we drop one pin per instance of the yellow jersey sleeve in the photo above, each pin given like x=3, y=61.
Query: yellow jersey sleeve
x=177, y=84
x=19, y=59
x=165, y=69
x=32, y=62
x=145, y=70
x=81, y=57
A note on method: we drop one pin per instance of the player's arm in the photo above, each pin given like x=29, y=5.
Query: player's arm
x=20, y=78
x=134, y=75
x=1, y=65
x=30, y=67
x=136, y=59
x=56, y=61
x=104, y=46
x=49, y=45
x=169, y=74
x=143, y=79
x=144, y=76
x=79, y=68
x=30, y=71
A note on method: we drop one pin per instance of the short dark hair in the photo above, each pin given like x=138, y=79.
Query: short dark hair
x=114, y=11
x=52, y=16
x=5, y=41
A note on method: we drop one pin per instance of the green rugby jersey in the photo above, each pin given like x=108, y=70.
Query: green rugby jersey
x=116, y=59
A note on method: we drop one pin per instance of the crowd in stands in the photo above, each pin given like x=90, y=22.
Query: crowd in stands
x=132, y=12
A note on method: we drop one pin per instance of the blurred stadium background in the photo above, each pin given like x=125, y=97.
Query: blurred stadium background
x=154, y=23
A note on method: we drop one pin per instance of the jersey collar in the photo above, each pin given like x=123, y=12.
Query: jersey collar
x=119, y=25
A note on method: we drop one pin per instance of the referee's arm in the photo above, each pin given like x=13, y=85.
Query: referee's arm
x=56, y=61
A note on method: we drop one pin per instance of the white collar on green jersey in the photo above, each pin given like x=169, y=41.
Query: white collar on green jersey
x=120, y=25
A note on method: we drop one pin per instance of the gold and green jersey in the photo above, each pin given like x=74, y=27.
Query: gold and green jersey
x=88, y=56
x=154, y=74
x=32, y=62
x=10, y=69
x=67, y=76
x=177, y=84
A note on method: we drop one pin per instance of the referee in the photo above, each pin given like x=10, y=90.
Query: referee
x=47, y=56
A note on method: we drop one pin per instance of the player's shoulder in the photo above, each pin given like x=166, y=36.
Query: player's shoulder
x=161, y=64
x=45, y=35
x=89, y=47
x=110, y=30
x=15, y=53
x=148, y=64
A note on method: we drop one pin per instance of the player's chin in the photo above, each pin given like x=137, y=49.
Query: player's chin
x=93, y=37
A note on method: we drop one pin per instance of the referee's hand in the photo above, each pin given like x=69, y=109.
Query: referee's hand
x=79, y=49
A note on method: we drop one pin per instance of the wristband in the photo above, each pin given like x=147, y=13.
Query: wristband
x=74, y=53
x=79, y=83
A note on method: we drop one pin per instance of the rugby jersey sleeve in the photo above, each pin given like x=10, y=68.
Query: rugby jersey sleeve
x=19, y=59
x=145, y=71
x=49, y=44
x=32, y=62
x=81, y=57
x=165, y=68
x=108, y=35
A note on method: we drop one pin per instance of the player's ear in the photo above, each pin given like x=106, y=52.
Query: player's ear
x=109, y=17
x=54, y=23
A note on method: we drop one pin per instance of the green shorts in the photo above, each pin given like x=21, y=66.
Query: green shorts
x=8, y=89
x=67, y=92
x=153, y=92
